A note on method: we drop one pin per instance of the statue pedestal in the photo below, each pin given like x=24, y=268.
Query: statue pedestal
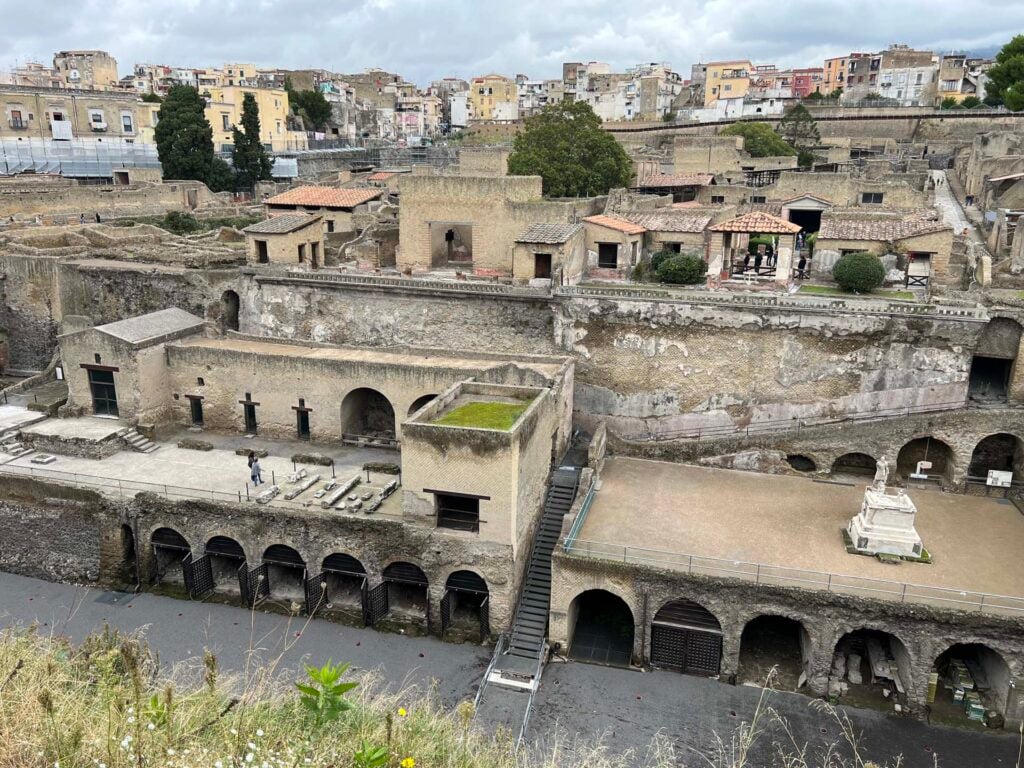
x=885, y=525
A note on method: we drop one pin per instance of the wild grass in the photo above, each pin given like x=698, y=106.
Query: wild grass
x=107, y=703
x=483, y=415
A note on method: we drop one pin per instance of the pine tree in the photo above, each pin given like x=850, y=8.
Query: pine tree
x=252, y=163
x=184, y=139
x=1006, y=79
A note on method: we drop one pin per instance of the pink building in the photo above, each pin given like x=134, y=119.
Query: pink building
x=807, y=81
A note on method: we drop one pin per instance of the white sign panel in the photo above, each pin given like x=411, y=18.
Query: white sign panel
x=999, y=478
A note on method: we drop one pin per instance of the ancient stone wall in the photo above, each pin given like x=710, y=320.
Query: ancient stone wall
x=825, y=617
x=31, y=309
x=109, y=202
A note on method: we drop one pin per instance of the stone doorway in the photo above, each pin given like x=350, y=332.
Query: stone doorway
x=602, y=629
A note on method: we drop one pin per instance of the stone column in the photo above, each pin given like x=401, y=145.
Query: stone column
x=716, y=258
x=784, y=264
x=1015, y=393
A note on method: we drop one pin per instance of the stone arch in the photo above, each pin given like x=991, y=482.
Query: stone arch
x=408, y=588
x=170, y=548
x=366, y=412
x=227, y=556
x=602, y=628
x=344, y=577
x=927, y=448
x=977, y=667
x=686, y=637
x=773, y=641
x=1000, y=451
x=230, y=305
x=419, y=402
x=802, y=462
x=468, y=609
x=286, y=572
x=852, y=665
x=855, y=463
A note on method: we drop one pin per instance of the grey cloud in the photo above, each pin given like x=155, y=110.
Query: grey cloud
x=424, y=40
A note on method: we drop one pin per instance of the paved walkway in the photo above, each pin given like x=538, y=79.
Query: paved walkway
x=951, y=211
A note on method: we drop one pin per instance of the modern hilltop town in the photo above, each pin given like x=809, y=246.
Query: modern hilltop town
x=645, y=409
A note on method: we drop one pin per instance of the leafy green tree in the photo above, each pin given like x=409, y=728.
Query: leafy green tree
x=970, y=102
x=152, y=98
x=837, y=94
x=759, y=140
x=682, y=269
x=184, y=139
x=948, y=103
x=859, y=272
x=252, y=163
x=800, y=131
x=315, y=108
x=1006, y=78
x=565, y=145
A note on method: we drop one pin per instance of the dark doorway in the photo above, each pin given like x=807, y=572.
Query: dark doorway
x=926, y=449
x=1000, y=452
x=407, y=589
x=809, y=220
x=855, y=464
x=249, y=410
x=773, y=643
x=104, y=395
x=286, y=572
x=875, y=666
x=990, y=379
x=196, y=408
x=419, y=402
x=366, y=412
x=169, y=550
x=686, y=637
x=602, y=629
x=458, y=512
x=465, y=605
x=344, y=583
x=973, y=680
x=801, y=463
x=542, y=265
x=262, y=255
x=608, y=255
x=302, y=424
x=230, y=306
x=226, y=557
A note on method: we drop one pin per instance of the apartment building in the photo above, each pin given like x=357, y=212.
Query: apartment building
x=727, y=80
x=494, y=97
x=224, y=111
x=87, y=70
x=64, y=114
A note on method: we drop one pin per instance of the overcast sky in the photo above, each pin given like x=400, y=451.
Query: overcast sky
x=427, y=39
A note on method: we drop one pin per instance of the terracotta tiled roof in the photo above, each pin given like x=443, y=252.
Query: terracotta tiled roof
x=616, y=223
x=671, y=221
x=549, y=233
x=380, y=176
x=879, y=229
x=758, y=222
x=325, y=197
x=676, y=180
x=279, y=225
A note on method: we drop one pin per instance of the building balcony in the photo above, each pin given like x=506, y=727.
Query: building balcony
x=17, y=124
x=98, y=127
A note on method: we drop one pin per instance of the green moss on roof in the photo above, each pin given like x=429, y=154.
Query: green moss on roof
x=483, y=415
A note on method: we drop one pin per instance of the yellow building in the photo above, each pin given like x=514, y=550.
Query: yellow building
x=63, y=114
x=487, y=92
x=833, y=75
x=88, y=70
x=727, y=80
x=239, y=74
x=224, y=111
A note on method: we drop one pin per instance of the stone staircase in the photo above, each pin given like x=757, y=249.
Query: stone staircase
x=10, y=445
x=517, y=667
x=136, y=441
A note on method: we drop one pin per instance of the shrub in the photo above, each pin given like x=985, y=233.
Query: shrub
x=757, y=240
x=682, y=269
x=660, y=257
x=811, y=240
x=859, y=272
x=180, y=223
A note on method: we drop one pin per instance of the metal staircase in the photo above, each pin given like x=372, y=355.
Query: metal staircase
x=519, y=664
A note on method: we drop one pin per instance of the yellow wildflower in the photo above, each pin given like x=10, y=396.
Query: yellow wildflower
x=408, y=763
x=402, y=712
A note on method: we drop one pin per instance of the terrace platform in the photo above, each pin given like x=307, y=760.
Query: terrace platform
x=662, y=513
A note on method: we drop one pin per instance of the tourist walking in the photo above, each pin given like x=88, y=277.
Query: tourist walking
x=801, y=268
x=254, y=468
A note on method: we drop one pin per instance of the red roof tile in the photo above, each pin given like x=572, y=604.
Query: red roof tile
x=380, y=176
x=758, y=222
x=614, y=222
x=325, y=197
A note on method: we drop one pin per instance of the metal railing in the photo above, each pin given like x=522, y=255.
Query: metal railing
x=781, y=576
x=122, y=488
x=779, y=426
x=376, y=281
x=796, y=302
